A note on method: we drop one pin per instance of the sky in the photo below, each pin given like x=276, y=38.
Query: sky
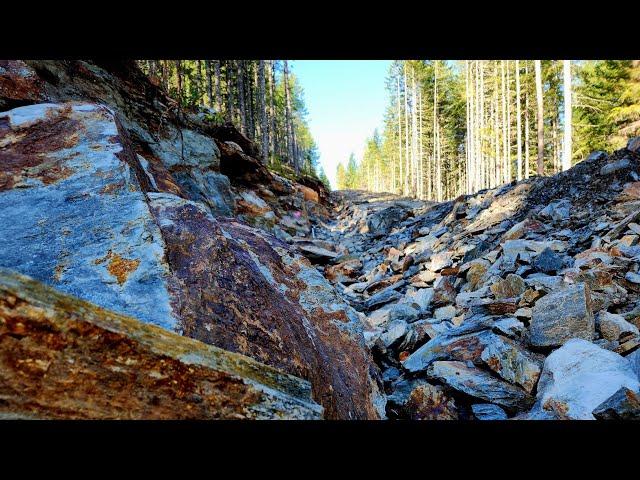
x=345, y=101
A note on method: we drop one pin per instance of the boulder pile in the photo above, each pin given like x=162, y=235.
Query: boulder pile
x=518, y=302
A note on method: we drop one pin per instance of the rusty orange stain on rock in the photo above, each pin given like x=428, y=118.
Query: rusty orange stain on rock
x=118, y=266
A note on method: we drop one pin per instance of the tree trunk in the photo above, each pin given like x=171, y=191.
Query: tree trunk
x=568, y=105
x=272, y=109
x=399, y=136
x=289, y=120
x=264, y=128
x=228, y=67
x=207, y=64
x=241, y=97
x=540, y=117
x=218, y=88
x=526, y=123
x=518, y=122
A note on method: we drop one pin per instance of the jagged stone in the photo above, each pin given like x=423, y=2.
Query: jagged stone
x=562, y=315
x=614, y=327
x=479, y=384
x=622, y=405
x=510, y=287
x=548, y=261
x=488, y=411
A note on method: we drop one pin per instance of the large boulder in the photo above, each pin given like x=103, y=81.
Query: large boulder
x=241, y=289
x=578, y=377
x=64, y=358
x=81, y=214
x=73, y=213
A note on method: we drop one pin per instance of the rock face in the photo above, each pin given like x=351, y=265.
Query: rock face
x=243, y=290
x=74, y=214
x=579, y=376
x=63, y=358
x=562, y=315
x=82, y=215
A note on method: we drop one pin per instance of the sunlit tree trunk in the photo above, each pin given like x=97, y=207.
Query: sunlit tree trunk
x=566, y=156
x=540, y=117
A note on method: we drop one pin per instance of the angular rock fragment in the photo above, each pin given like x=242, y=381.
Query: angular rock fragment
x=622, y=405
x=562, y=315
x=429, y=402
x=479, y=384
x=511, y=362
x=615, y=327
x=488, y=411
x=510, y=287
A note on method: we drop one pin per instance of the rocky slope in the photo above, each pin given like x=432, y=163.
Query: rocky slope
x=519, y=302
x=111, y=195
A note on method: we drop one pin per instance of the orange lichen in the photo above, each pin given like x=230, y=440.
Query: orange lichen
x=121, y=267
x=118, y=266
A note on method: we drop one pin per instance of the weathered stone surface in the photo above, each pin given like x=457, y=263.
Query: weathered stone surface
x=479, y=384
x=579, y=376
x=241, y=289
x=562, y=315
x=73, y=213
x=211, y=188
x=476, y=274
x=343, y=271
x=509, y=287
x=614, y=327
x=512, y=362
x=488, y=411
x=548, y=261
x=394, y=332
x=429, y=402
x=622, y=405
x=64, y=358
x=416, y=399
x=634, y=360
x=613, y=167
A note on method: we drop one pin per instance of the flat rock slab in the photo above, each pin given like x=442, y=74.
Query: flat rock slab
x=64, y=358
x=579, y=376
x=562, y=315
x=479, y=384
x=73, y=214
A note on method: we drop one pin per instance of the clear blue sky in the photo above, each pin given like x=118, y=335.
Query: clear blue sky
x=345, y=101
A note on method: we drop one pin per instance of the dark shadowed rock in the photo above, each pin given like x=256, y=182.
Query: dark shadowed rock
x=622, y=405
x=416, y=399
x=429, y=402
x=64, y=358
x=548, y=261
x=479, y=384
x=562, y=315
